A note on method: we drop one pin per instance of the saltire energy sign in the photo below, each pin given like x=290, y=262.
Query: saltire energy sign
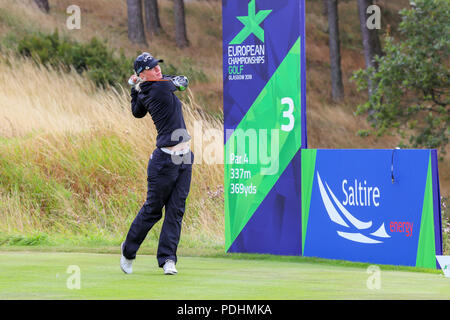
x=264, y=124
x=375, y=206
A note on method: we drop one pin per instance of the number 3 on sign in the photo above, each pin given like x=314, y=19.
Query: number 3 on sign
x=288, y=114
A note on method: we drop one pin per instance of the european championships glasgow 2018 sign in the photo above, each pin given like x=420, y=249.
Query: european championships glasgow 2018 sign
x=264, y=121
x=376, y=206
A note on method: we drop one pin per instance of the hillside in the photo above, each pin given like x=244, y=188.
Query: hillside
x=37, y=125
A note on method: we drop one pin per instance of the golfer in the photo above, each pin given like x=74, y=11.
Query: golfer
x=170, y=165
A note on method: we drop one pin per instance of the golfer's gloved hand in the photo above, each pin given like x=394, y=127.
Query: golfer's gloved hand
x=180, y=82
x=133, y=80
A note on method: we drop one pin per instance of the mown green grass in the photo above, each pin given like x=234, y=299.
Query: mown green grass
x=43, y=275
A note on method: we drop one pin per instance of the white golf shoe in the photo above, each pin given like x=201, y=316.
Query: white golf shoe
x=169, y=267
x=125, y=264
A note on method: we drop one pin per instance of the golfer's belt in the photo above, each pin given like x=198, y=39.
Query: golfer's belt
x=176, y=153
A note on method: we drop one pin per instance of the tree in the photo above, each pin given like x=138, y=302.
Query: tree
x=43, y=5
x=152, y=21
x=337, y=88
x=370, y=39
x=412, y=81
x=180, y=24
x=136, y=33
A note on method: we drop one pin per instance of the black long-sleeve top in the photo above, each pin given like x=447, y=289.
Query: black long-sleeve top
x=158, y=99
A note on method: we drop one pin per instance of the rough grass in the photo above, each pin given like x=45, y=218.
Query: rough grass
x=74, y=160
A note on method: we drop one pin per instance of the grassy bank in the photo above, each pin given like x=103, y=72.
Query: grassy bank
x=74, y=159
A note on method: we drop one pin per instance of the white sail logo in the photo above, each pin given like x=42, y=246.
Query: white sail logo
x=336, y=211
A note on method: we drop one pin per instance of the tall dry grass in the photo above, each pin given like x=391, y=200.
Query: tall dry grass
x=78, y=157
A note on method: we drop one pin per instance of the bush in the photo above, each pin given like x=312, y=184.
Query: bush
x=186, y=69
x=100, y=64
x=410, y=86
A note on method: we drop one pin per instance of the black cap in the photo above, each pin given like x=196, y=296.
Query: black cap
x=145, y=61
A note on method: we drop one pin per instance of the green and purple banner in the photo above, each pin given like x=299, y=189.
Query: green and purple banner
x=375, y=206
x=265, y=124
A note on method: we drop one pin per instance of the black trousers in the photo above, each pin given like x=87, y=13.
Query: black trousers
x=168, y=183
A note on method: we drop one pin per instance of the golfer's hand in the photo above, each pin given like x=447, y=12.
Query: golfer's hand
x=132, y=80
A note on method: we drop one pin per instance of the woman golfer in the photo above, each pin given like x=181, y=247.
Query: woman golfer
x=169, y=168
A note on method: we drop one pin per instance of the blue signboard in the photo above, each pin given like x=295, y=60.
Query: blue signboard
x=377, y=206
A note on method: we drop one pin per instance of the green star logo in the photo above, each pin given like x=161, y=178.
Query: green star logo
x=251, y=24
